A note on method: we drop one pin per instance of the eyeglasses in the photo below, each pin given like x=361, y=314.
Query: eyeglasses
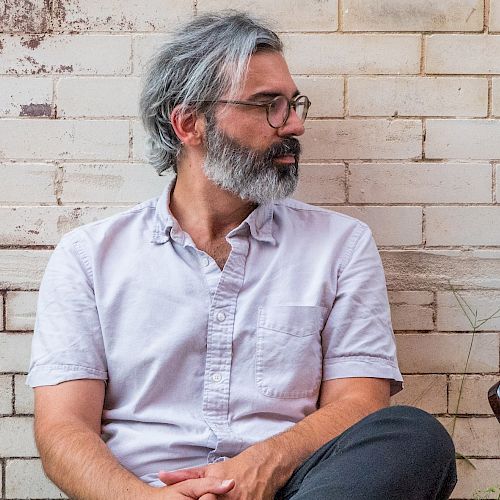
x=278, y=109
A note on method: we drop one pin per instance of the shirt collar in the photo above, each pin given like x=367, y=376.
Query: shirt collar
x=260, y=221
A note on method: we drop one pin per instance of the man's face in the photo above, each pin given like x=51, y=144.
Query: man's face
x=245, y=155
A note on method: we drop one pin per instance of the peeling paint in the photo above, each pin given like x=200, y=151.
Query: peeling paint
x=24, y=16
x=44, y=109
x=65, y=69
x=32, y=42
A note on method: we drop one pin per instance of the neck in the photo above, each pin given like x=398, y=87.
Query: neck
x=205, y=211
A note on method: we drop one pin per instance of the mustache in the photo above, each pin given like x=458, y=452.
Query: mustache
x=288, y=146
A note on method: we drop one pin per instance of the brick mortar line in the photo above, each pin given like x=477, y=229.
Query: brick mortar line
x=486, y=20
x=340, y=15
x=3, y=493
x=13, y=397
x=494, y=183
x=3, y=294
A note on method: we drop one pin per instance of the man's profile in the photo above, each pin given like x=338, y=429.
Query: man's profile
x=223, y=339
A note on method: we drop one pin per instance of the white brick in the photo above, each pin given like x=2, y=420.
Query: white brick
x=26, y=17
x=362, y=139
x=139, y=142
x=124, y=15
x=417, y=96
x=116, y=183
x=25, y=96
x=427, y=392
x=25, y=479
x=434, y=269
x=98, y=96
x=474, y=393
x=27, y=183
x=46, y=225
x=144, y=47
x=352, y=54
x=390, y=225
x=410, y=298
x=450, y=316
x=321, y=183
x=326, y=95
x=24, y=396
x=463, y=54
x=495, y=96
x=75, y=54
x=64, y=139
x=412, y=310
x=448, y=226
x=16, y=437
x=474, y=481
x=475, y=436
x=463, y=139
x=21, y=310
x=418, y=15
x=494, y=15
x=420, y=183
x=5, y=394
x=447, y=353
x=22, y=269
x=14, y=352
x=287, y=15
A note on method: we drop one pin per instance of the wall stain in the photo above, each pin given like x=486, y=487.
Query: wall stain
x=36, y=110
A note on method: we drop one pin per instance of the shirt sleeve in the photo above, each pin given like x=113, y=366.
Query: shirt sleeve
x=67, y=342
x=358, y=340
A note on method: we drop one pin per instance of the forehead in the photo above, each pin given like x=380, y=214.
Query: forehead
x=268, y=73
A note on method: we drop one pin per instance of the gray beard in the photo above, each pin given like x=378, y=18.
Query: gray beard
x=247, y=173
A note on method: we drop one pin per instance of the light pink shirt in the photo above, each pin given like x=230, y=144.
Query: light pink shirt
x=201, y=363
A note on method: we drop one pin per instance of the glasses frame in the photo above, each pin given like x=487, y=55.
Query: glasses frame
x=292, y=103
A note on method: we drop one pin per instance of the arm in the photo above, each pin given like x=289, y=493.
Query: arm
x=67, y=432
x=263, y=468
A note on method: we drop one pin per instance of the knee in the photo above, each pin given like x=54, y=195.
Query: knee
x=423, y=433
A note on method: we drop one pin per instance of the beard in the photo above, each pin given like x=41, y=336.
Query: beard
x=250, y=174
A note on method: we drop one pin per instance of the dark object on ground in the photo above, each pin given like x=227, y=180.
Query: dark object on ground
x=494, y=399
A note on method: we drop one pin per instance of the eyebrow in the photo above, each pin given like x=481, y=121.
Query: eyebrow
x=270, y=95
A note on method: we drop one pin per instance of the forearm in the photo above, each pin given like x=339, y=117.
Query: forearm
x=77, y=460
x=280, y=455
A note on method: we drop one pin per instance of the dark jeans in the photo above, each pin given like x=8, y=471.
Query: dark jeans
x=397, y=453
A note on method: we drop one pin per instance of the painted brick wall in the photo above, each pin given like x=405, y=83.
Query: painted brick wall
x=404, y=134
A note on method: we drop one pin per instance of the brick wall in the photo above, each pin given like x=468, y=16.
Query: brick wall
x=404, y=134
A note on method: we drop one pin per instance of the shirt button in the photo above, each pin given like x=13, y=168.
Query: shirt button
x=216, y=377
x=205, y=262
x=220, y=316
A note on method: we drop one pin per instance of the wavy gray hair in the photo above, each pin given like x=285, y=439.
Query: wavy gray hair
x=206, y=58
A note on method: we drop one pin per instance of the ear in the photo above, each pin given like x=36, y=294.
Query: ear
x=188, y=126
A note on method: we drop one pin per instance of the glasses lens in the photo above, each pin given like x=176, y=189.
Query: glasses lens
x=278, y=111
x=301, y=107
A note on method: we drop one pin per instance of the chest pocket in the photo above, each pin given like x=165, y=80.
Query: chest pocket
x=288, y=362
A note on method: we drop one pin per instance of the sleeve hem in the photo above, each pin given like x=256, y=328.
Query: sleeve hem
x=359, y=367
x=56, y=374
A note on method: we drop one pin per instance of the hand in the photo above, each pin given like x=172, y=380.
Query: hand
x=207, y=488
x=252, y=479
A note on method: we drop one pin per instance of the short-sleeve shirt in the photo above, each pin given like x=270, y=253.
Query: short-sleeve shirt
x=201, y=363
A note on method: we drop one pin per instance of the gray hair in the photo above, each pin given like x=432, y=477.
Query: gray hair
x=207, y=58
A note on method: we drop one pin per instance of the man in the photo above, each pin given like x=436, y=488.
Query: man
x=215, y=338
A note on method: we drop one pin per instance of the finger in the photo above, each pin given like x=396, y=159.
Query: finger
x=177, y=476
x=195, y=488
x=208, y=496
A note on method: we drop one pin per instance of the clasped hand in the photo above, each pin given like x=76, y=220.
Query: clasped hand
x=249, y=480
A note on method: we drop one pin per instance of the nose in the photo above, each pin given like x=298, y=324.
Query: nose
x=293, y=125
